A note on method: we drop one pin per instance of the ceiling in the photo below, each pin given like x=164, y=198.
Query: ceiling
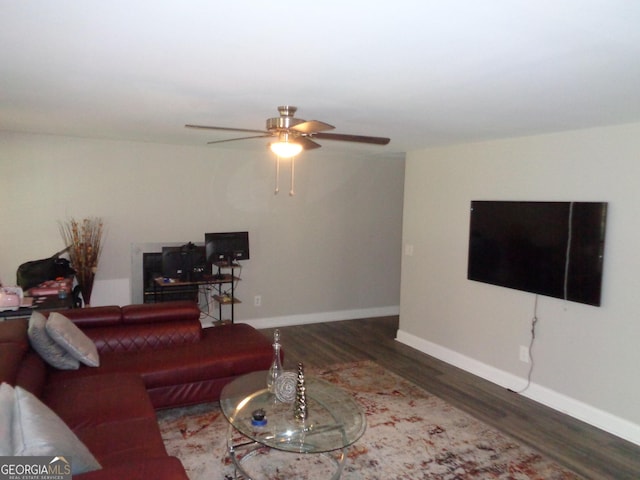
x=422, y=72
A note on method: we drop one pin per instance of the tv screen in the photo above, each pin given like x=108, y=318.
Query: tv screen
x=226, y=246
x=549, y=248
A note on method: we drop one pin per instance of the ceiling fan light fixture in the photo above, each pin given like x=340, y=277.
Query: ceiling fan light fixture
x=285, y=149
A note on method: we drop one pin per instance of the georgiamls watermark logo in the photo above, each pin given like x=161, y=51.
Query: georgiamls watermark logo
x=35, y=468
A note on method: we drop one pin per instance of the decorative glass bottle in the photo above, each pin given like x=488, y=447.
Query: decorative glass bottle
x=276, y=366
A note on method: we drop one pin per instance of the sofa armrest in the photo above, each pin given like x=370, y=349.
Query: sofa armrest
x=161, y=468
x=145, y=336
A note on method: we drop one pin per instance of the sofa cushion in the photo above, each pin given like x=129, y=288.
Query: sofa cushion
x=11, y=354
x=72, y=339
x=224, y=351
x=32, y=373
x=50, y=351
x=128, y=440
x=37, y=431
x=89, y=401
x=7, y=399
x=14, y=331
x=145, y=336
x=160, y=312
x=95, y=316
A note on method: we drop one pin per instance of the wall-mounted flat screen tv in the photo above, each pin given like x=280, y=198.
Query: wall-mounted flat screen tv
x=549, y=248
x=226, y=246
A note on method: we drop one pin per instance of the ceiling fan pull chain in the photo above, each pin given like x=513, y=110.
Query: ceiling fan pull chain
x=277, y=175
x=293, y=162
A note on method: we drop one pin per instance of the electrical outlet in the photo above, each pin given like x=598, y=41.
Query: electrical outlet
x=524, y=354
x=257, y=300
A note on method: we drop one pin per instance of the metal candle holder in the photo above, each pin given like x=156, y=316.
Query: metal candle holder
x=300, y=405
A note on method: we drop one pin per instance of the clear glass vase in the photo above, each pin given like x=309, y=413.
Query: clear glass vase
x=276, y=365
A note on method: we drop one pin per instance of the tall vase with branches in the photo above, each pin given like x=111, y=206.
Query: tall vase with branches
x=84, y=239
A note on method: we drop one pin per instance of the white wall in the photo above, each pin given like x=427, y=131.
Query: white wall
x=586, y=358
x=334, y=247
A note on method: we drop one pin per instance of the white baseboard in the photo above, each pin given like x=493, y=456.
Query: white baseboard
x=308, y=318
x=575, y=408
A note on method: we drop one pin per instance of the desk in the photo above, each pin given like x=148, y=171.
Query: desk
x=41, y=304
x=163, y=285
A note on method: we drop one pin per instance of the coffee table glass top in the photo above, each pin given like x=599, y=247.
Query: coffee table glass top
x=334, y=419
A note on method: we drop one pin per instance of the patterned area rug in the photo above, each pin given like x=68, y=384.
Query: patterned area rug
x=410, y=435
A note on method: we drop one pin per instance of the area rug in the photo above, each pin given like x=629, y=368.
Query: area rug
x=411, y=434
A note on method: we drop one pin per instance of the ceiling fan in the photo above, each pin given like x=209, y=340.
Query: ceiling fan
x=292, y=136
x=299, y=134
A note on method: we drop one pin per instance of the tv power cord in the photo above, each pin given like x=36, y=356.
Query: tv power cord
x=534, y=321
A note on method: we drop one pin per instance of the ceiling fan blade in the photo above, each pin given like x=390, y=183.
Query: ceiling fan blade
x=307, y=144
x=227, y=129
x=239, y=138
x=352, y=138
x=311, y=126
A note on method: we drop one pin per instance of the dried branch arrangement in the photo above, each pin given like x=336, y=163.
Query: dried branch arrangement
x=84, y=239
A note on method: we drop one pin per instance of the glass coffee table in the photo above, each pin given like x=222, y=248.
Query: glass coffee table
x=334, y=422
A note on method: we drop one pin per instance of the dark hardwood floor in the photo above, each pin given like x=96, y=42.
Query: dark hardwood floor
x=586, y=450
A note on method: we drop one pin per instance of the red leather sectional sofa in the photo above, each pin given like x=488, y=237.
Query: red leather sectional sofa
x=152, y=356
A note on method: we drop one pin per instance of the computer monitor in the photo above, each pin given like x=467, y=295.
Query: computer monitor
x=226, y=247
x=186, y=263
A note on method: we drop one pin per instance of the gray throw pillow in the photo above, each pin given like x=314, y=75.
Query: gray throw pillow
x=7, y=400
x=49, y=350
x=37, y=431
x=72, y=339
